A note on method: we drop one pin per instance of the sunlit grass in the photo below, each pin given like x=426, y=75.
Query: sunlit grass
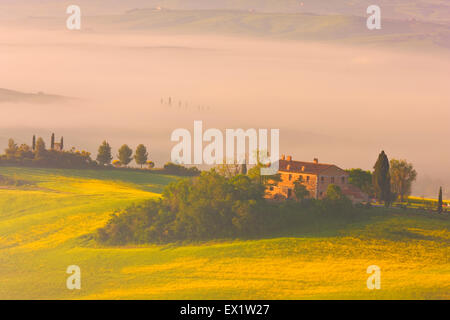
x=43, y=229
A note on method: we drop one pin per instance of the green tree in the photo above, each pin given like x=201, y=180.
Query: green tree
x=150, y=164
x=24, y=152
x=361, y=179
x=40, y=148
x=382, y=179
x=33, y=144
x=334, y=192
x=125, y=155
x=12, y=149
x=336, y=202
x=267, y=180
x=52, y=142
x=62, y=143
x=141, y=155
x=440, y=201
x=300, y=190
x=228, y=170
x=104, y=156
x=402, y=176
x=180, y=170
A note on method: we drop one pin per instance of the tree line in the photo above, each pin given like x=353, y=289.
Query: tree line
x=38, y=155
x=391, y=180
x=228, y=202
x=124, y=156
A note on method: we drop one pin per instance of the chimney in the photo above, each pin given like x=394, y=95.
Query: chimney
x=283, y=157
x=289, y=158
x=316, y=160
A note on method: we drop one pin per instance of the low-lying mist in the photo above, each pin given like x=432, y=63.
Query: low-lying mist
x=342, y=104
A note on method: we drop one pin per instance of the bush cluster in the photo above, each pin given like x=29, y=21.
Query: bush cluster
x=212, y=206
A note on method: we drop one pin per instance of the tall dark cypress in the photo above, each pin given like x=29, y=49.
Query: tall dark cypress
x=33, y=144
x=62, y=143
x=440, y=201
x=244, y=168
x=52, y=143
x=382, y=179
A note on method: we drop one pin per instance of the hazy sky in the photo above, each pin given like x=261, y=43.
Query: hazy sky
x=342, y=104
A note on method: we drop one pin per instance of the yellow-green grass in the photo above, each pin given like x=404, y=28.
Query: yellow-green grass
x=419, y=200
x=43, y=228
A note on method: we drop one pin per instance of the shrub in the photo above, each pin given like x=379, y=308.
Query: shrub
x=179, y=170
x=212, y=206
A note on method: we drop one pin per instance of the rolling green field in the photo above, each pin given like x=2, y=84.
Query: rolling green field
x=44, y=227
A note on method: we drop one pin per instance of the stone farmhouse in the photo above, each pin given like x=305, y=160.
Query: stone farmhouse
x=315, y=176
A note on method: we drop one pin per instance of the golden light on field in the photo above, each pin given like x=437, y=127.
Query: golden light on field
x=42, y=232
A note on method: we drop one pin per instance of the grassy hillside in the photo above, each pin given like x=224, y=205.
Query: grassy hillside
x=293, y=26
x=303, y=26
x=44, y=222
x=424, y=10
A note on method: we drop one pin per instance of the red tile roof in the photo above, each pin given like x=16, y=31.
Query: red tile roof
x=308, y=167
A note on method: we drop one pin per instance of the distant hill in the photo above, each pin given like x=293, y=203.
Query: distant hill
x=423, y=10
x=295, y=26
x=40, y=97
x=417, y=23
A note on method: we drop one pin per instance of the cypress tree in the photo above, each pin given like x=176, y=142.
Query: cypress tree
x=62, y=143
x=382, y=179
x=52, y=143
x=244, y=168
x=440, y=201
x=34, y=143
